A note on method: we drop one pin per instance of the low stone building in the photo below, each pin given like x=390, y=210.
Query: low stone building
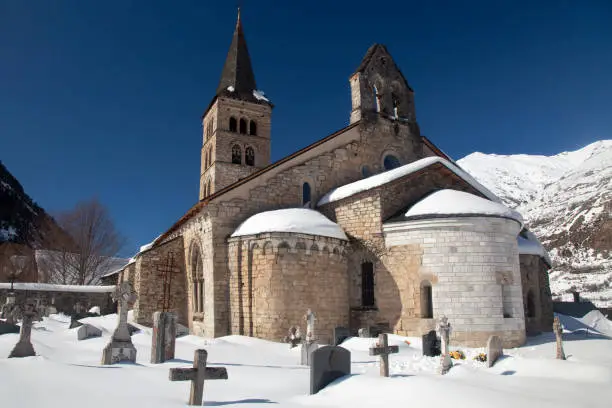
x=371, y=226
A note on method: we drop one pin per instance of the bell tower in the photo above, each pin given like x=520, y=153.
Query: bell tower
x=236, y=124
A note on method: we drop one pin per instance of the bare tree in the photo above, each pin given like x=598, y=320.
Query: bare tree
x=91, y=249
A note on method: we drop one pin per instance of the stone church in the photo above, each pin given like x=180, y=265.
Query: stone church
x=372, y=226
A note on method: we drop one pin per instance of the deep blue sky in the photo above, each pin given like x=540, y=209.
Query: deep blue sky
x=104, y=98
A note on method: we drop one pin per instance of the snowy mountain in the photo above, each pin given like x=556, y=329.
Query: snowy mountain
x=21, y=220
x=566, y=200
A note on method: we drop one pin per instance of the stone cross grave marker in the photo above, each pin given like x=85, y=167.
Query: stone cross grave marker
x=310, y=326
x=120, y=347
x=383, y=350
x=24, y=348
x=197, y=375
x=494, y=350
x=341, y=334
x=558, y=329
x=444, y=327
x=164, y=336
x=363, y=332
x=328, y=364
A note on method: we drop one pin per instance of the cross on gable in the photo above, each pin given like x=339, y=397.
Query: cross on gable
x=197, y=375
x=383, y=350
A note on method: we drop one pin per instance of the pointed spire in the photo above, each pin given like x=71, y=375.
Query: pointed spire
x=237, y=72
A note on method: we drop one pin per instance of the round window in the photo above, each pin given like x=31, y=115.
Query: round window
x=391, y=162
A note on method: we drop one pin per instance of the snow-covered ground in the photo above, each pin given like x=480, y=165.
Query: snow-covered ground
x=67, y=373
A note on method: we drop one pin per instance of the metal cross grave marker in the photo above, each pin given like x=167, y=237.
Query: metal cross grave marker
x=383, y=350
x=166, y=272
x=197, y=375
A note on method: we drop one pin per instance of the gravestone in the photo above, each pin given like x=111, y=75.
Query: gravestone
x=95, y=310
x=79, y=308
x=87, y=331
x=306, y=352
x=431, y=345
x=164, y=336
x=341, y=334
x=383, y=350
x=294, y=337
x=558, y=329
x=51, y=309
x=494, y=350
x=444, y=328
x=10, y=310
x=75, y=319
x=328, y=364
x=197, y=375
x=363, y=332
x=24, y=348
x=8, y=328
x=120, y=347
x=310, y=326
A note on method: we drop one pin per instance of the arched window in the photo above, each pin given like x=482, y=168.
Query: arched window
x=249, y=156
x=391, y=162
x=376, y=98
x=197, y=279
x=236, y=154
x=531, y=309
x=206, y=163
x=305, y=194
x=367, y=284
x=365, y=171
x=233, y=124
x=243, y=126
x=426, y=301
x=253, y=128
x=210, y=156
x=209, y=187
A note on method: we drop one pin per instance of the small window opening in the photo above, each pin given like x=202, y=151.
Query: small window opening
x=367, y=284
x=391, y=162
x=376, y=98
x=236, y=154
x=233, y=124
x=249, y=156
x=426, y=301
x=243, y=126
x=395, y=100
x=531, y=312
x=253, y=128
x=305, y=194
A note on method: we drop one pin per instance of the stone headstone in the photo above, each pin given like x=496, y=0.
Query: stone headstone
x=310, y=326
x=431, y=345
x=341, y=334
x=164, y=336
x=87, y=331
x=75, y=319
x=79, y=308
x=363, y=332
x=558, y=329
x=328, y=364
x=8, y=328
x=95, y=310
x=24, y=347
x=197, y=375
x=494, y=350
x=306, y=352
x=120, y=347
x=444, y=327
x=51, y=309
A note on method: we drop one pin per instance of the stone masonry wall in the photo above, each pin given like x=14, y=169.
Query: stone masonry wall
x=473, y=265
x=64, y=301
x=534, y=278
x=150, y=287
x=275, y=278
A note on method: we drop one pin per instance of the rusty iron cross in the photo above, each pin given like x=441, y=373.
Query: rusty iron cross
x=197, y=375
x=383, y=350
x=167, y=271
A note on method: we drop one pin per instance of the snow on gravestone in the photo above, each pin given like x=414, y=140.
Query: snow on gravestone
x=328, y=363
x=87, y=331
x=494, y=350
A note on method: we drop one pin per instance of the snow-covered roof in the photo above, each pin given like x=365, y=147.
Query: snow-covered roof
x=532, y=246
x=58, y=288
x=296, y=220
x=388, y=176
x=453, y=203
x=260, y=96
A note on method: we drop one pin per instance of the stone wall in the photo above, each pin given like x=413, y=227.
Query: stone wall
x=275, y=278
x=150, y=287
x=472, y=265
x=534, y=278
x=64, y=300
